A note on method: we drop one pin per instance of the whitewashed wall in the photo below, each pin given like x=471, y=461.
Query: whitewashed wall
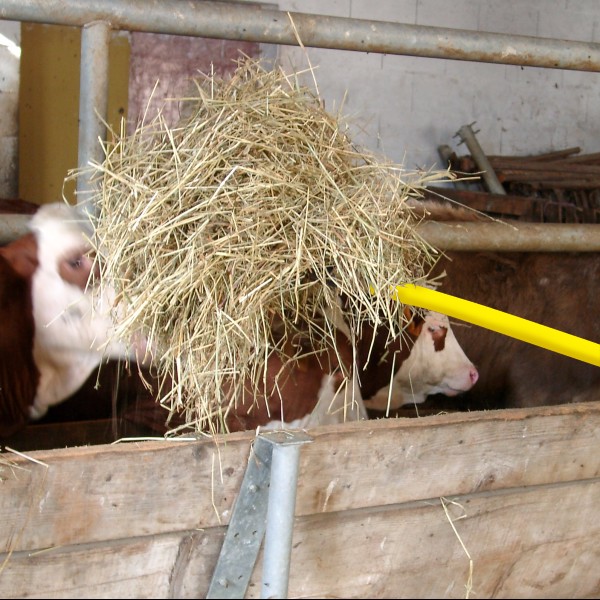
x=410, y=105
x=405, y=107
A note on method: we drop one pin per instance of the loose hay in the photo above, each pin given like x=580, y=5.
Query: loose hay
x=231, y=234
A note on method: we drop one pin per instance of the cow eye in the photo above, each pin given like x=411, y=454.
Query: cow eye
x=76, y=263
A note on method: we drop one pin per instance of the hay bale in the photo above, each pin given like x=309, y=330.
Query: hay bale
x=232, y=233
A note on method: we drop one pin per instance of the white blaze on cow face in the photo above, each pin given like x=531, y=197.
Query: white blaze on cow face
x=74, y=320
x=436, y=365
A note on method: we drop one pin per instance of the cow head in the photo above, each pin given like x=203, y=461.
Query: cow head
x=435, y=364
x=75, y=318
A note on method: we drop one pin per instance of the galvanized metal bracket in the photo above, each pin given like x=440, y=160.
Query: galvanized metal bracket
x=254, y=513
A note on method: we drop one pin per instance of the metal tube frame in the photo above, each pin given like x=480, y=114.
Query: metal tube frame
x=93, y=107
x=225, y=20
x=277, y=549
x=239, y=22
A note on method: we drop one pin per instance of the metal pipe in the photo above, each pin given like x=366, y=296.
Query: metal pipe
x=246, y=528
x=509, y=237
x=12, y=227
x=280, y=515
x=463, y=236
x=224, y=20
x=467, y=135
x=93, y=108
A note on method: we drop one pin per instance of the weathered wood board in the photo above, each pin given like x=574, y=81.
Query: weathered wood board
x=385, y=509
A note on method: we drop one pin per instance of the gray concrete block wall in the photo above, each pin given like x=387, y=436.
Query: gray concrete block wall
x=406, y=106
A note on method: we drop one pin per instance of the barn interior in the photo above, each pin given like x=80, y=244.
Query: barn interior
x=517, y=131
x=529, y=172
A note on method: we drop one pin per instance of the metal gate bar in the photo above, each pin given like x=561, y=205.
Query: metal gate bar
x=264, y=508
x=93, y=107
x=229, y=21
x=240, y=22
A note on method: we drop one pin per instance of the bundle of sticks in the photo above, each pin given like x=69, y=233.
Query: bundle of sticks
x=557, y=187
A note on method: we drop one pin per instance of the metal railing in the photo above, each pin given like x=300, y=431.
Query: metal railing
x=225, y=20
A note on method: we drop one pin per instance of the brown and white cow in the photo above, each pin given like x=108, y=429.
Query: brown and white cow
x=557, y=289
x=314, y=388
x=330, y=387
x=303, y=388
x=435, y=364
x=58, y=329
x=55, y=326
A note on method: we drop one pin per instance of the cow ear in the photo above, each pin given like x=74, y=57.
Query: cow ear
x=415, y=321
x=21, y=254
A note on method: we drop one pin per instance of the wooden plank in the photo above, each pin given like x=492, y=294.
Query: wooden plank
x=536, y=542
x=531, y=543
x=558, y=168
x=564, y=180
x=137, y=568
x=559, y=154
x=592, y=157
x=484, y=201
x=48, y=436
x=92, y=494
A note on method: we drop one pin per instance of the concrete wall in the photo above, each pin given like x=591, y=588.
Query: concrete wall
x=405, y=107
x=410, y=105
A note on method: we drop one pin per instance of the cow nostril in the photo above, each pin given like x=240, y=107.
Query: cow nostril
x=474, y=375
